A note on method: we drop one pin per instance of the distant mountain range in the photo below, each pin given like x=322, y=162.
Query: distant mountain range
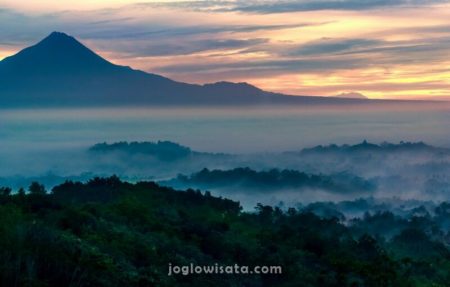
x=351, y=95
x=169, y=151
x=60, y=71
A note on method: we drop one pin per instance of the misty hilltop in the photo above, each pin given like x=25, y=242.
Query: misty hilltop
x=60, y=71
x=163, y=150
x=385, y=147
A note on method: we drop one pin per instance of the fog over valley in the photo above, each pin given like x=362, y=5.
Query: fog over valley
x=260, y=155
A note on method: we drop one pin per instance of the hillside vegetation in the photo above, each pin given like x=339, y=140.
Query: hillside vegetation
x=111, y=233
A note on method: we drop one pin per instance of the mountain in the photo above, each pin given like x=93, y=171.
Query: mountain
x=60, y=71
x=352, y=95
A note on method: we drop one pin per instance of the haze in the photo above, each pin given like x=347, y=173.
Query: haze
x=49, y=143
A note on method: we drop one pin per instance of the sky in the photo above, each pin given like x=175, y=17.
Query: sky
x=379, y=48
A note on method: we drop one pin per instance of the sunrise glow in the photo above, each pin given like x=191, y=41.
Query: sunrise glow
x=381, y=50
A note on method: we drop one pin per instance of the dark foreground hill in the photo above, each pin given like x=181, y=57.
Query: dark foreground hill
x=110, y=233
x=60, y=71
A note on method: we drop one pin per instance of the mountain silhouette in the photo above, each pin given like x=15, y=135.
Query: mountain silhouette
x=351, y=95
x=60, y=71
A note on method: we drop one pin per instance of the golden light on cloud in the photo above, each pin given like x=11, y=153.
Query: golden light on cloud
x=6, y=52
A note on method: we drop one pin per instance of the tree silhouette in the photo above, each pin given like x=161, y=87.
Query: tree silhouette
x=37, y=188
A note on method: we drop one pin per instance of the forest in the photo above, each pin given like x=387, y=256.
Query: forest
x=107, y=232
x=273, y=179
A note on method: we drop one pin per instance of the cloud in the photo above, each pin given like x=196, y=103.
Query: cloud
x=309, y=5
x=332, y=46
x=396, y=87
x=118, y=33
x=286, y=6
x=169, y=31
x=266, y=67
x=326, y=56
x=176, y=48
x=119, y=24
x=379, y=52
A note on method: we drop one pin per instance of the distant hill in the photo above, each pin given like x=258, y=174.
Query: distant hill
x=60, y=71
x=376, y=148
x=352, y=95
x=170, y=151
x=163, y=150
